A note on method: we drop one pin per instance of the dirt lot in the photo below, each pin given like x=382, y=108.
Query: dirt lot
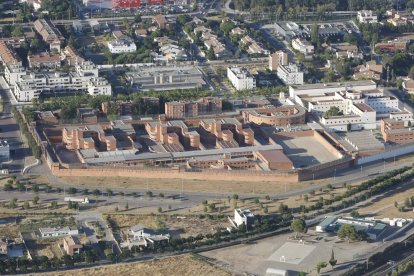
x=182, y=226
x=239, y=187
x=182, y=265
x=384, y=208
x=45, y=247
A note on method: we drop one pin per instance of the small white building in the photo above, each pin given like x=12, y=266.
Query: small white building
x=57, y=232
x=243, y=217
x=290, y=74
x=367, y=17
x=121, y=46
x=241, y=78
x=303, y=46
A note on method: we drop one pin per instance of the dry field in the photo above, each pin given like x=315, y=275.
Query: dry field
x=182, y=226
x=180, y=266
x=384, y=208
x=239, y=187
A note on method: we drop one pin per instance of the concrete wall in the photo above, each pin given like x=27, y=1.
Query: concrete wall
x=178, y=174
x=390, y=153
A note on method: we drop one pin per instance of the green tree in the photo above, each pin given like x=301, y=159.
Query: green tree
x=210, y=54
x=26, y=205
x=332, y=261
x=320, y=266
x=348, y=232
x=355, y=214
x=298, y=226
x=35, y=200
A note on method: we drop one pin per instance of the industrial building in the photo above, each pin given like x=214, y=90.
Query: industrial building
x=166, y=78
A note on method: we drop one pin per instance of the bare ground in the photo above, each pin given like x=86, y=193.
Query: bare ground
x=180, y=266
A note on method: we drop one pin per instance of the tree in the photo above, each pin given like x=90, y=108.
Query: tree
x=321, y=265
x=210, y=54
x=26, y=205
x=332, y=261
x=348, y=232
x=333, y=111
x=411, y=73
x=53, y=204
x=17, y=31
x=315, y=35
x=35, y=200
x=306, y=198
x=298, y=226
x=355, y=214
x=159, y=210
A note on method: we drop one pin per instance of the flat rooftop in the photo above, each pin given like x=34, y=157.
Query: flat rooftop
x=333, y=84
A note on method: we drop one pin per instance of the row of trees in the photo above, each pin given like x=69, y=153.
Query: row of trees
x=37, y=152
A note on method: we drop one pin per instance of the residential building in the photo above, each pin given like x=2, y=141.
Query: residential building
x=290, y=74
x=121, y=46
x=395, y=131
x=57, y=232
x=99, y=86
x=346, y=50
x=303, y=46
x=278, y=58
x=181, y=110
x=241, y=78
x=392, y=46
x=367, y=17
x=30, y=85
x=162, y=22
x=72, y=245
x=8, y=55
x=172, y=52
x=408, y=86
x=371, y=70
x=254, y=48
x=243, y=217
x=4, y=151
x=44, y=60
x=72, y=56
x=49, y=33
x=211, y=40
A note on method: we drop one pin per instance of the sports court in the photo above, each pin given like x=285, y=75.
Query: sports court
x=292, y=253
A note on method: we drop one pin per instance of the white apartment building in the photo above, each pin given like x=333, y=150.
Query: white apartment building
x=290, y=74
x=332, y=87
x=303, y=46
x=278, y=58
x=361, y=109
x=121, y=46
x=84, y=79
x=367, y=16
x=13, y=72
x=241, y=78
x=361, y=116
x=99, y=86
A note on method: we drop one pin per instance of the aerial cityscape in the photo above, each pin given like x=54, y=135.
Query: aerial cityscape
x=207, y=137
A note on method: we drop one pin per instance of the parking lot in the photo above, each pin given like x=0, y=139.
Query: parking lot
x=280, y=252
